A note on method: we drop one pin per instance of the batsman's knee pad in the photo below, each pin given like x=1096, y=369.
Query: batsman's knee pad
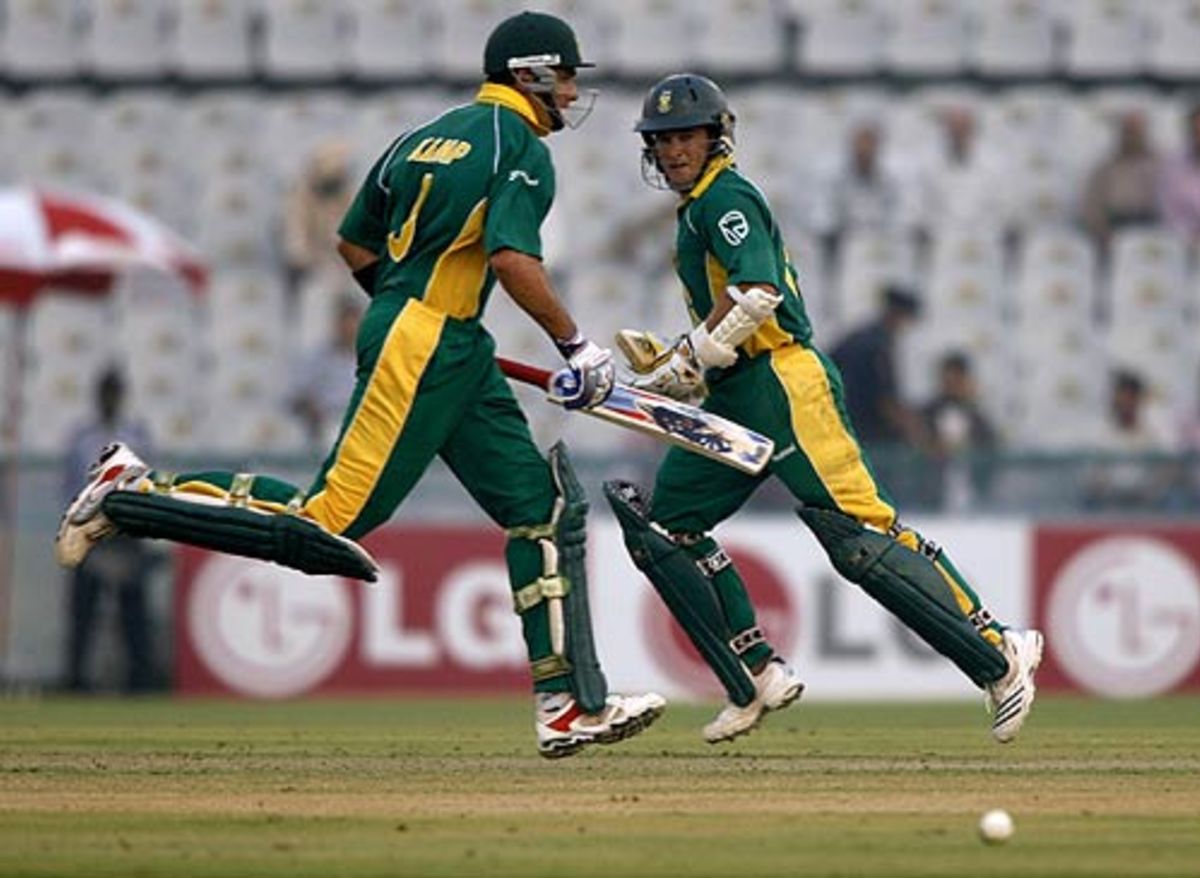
x=563, y=587
x=684, y=586
x=909, y=584
x=211, y=523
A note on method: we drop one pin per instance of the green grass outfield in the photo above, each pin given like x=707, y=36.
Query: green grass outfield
x=454, y=787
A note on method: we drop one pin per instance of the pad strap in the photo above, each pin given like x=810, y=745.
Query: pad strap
x=744, y=641
x=543, y=588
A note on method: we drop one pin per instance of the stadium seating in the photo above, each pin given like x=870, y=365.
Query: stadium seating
x=389, y=38
x=265, y=83
x=303, y=39
x=212, y=40
x=41, y=39
x=926, y=38
x=127, y=38
x=1014, y=38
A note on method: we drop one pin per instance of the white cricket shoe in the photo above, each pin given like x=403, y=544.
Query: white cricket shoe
x=777, y=686
x=83, y=524
x=1010, y=698
x=564, y=729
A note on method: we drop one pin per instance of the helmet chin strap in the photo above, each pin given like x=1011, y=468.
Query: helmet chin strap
x=654, y=176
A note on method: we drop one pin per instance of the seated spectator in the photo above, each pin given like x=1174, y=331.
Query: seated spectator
x=956, y=427
x=1179, y=185
x=863, y=193
x=961, y=186
x=1123, y=189
x=324, y=379
x=314, y=206
x=1132, y=428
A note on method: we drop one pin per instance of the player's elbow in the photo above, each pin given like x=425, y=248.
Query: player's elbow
x=507, y=262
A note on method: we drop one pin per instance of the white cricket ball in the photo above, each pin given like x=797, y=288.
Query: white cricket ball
x=995, y=826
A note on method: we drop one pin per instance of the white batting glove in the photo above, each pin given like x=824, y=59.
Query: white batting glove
x=587, y=379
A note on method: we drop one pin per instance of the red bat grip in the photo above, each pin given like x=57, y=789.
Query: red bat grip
x=524, y=373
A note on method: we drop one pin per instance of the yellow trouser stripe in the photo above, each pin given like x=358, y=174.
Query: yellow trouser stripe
x=379, y=420
x=824, y=439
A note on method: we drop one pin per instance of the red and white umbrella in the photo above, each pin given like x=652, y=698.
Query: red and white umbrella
x=81, y=241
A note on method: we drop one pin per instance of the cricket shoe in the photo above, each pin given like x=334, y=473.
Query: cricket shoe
x=564, y=729
x=777, y=686
x=1010, y=698
x=84, y=524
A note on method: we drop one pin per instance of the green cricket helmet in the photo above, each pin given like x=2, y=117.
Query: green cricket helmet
x=539, y=43
x=531, y=39
x=679, y=102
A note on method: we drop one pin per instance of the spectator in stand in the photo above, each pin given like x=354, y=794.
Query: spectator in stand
x=956, y=428
x=1179, y=189
x=1123, y=189
x=962, y=186
x=867, y=360
x=314, y=206
x=864, y=193
x=324, y=379
x=1133, y=427
x=117, y=568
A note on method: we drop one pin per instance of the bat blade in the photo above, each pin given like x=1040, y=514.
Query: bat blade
x=668, y=420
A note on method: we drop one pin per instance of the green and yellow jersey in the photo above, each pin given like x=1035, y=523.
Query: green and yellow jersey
x=726, y=234
x=450, y=192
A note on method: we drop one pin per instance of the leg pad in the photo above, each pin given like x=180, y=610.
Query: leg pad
x=285, y=539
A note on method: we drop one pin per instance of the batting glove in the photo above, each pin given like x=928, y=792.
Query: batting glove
x=587, y=379
x=678, y=375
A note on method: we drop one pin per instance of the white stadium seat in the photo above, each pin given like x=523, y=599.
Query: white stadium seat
x=744, y=36
x=295, y=124
x=211, y=40
x=1106, y=38
x=1174, y=34
x=222, y=132
x=1148, y=281
x=868, y=262
x=926, y=37
x=390, y=38
x=51, y=142
x=303, y=39
x=656, y=37
x=41, y=39
x=966, y=278
x=1014, y=37
x=127, y=38
x=1056, y=282
x=841, y=36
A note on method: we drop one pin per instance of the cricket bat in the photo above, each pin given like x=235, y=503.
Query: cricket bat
x=666, y=419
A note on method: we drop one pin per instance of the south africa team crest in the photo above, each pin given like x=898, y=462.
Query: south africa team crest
x=664, y=101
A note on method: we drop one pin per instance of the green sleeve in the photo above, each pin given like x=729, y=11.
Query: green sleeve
x=521, y=194
x=366, y=220
x=738, y=228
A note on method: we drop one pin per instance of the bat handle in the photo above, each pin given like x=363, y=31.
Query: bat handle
x=524, y=373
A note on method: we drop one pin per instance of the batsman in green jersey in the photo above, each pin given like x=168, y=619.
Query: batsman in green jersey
x=449, y=208
x=751, y=346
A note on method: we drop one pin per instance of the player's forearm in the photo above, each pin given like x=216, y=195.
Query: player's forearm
x=524, y=278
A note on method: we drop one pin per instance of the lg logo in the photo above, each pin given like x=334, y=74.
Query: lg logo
x=1123, y=616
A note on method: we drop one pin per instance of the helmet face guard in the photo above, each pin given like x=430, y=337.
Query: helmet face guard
x=539, y=43
x=680, y=102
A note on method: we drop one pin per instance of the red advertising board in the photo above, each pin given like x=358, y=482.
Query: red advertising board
x=441, y=615
x=1120, y=608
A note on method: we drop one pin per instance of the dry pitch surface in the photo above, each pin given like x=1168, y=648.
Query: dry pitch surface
x=449, y=787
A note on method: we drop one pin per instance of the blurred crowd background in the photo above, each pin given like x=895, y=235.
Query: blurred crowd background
x=994, y=206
